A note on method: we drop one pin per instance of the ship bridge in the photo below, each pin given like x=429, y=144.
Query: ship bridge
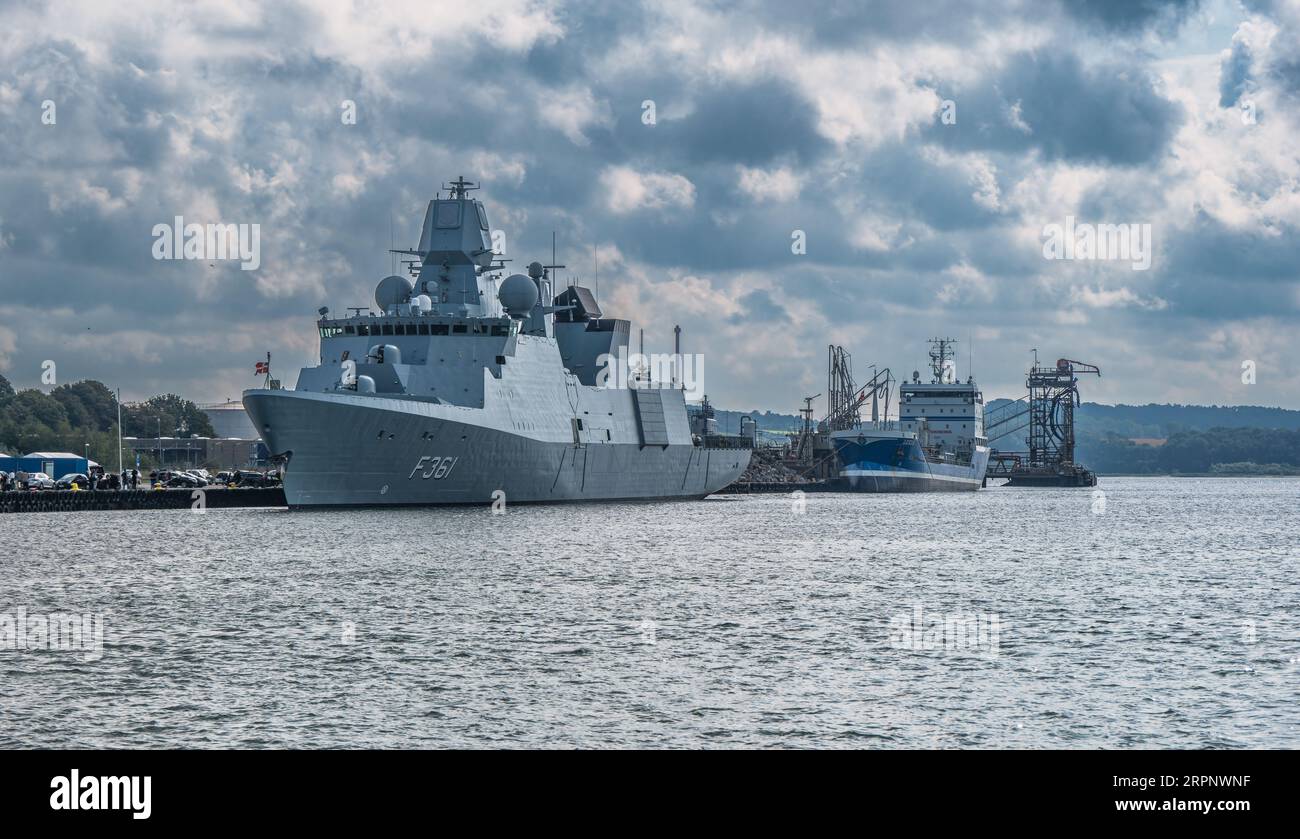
x=948, y=412
x=434, y=335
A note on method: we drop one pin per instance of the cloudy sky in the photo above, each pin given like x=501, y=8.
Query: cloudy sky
x=769, y=118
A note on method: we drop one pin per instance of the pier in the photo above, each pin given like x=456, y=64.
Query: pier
x=755, y=487
x=69, y=501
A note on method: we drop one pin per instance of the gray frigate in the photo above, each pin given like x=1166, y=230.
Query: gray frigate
x=457, y=391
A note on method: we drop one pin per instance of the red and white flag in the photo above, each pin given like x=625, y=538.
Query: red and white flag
x=263, y=368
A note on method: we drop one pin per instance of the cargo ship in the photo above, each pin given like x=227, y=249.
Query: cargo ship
x=936, y=445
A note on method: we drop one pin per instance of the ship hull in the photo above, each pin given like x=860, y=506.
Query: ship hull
x=899, y=464
x=344, y=452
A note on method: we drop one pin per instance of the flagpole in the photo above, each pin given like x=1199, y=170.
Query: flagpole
x=119, y=431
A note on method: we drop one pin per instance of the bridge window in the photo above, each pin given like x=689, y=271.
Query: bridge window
x=363, y=329
x=482, y=216
x=439, y=329
x=388, y=329
x=458, y=329
x=500, y=331
x=424, y=329
x=349, y=330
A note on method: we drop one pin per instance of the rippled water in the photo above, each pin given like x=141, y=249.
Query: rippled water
x=1166, y=619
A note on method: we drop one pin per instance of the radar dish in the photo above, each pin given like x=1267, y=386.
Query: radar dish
x=393, y=290
x=518, y=295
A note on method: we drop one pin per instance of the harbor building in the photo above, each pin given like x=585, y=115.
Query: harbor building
x=54, y=464
x=192, y=452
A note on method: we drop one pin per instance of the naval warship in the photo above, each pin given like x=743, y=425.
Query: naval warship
x=937, y=444
x=460, y=390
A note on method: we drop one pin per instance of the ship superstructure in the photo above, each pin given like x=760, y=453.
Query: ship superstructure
x=461, y=391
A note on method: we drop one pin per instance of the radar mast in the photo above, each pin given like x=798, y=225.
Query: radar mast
x=941, y=359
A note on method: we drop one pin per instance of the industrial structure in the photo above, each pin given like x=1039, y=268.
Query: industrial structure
x=1047, y=410
x=846, y=398
x=812, y=454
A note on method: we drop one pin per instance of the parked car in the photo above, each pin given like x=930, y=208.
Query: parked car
x=224, y=477
x=184, y=479
x=39, y=480
x=255, y=479
x=66, y=482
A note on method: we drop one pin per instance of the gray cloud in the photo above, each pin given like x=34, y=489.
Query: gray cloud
x=1121, y=15
x=1052, y=103
x=1234, y=74
x=751, y=124
x=913, y=226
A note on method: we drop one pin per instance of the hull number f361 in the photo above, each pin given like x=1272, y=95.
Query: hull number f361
x=433, y=467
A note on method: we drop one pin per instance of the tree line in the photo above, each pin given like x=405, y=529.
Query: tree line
x=73, y=415
x=1216, y=450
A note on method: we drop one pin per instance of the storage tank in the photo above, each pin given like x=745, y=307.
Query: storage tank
x=229, y=420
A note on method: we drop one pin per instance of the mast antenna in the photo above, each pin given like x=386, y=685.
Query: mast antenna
x=940, y=354
x=460, y=188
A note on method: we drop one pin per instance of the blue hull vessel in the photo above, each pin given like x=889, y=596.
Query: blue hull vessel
x=895, y=461
x=936, y=445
